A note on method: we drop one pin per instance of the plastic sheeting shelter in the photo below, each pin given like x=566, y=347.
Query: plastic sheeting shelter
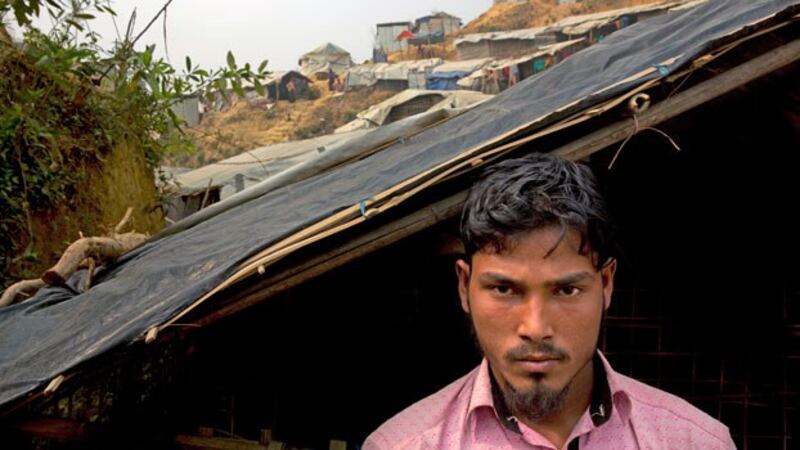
x=502, y=44
x=403, y=71
x=258, y=164
x=326, y=57
x=528, y=65
x=153, y=286
x=408, y=103
x=446, y=76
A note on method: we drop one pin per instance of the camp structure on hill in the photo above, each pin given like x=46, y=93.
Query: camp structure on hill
x=527, y=65
x=293, y=311
x=593, y=27
x=391, y=76
x=319, y=61
x=187, y=191
x=445, y=77
x=409, y=103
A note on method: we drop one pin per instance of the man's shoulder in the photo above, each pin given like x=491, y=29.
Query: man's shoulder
x=669, y=415
x=410, y=427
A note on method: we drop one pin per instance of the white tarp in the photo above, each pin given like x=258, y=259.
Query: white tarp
x=582, y=24
x=326, y=56
x=369, y=74
x=469, y=65
x=257, y=164
x=377, y=114
x=523, y=34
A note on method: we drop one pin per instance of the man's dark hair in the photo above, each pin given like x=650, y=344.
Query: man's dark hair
x=534, y=192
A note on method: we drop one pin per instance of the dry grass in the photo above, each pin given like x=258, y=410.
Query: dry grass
x=247, y=125
x=536, y=13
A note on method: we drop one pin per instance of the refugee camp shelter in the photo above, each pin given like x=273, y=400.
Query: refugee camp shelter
x=502, y=44
x=437, y=23
x=386, y=36
x=391, y=76
x=276, y=85
x=596, y=26
x=309, y=310
x=248, y=168
x=409, y=103
x=183, y=201
x=188, y=109
x=445, y=76
x=328, y=56
x=527, y=65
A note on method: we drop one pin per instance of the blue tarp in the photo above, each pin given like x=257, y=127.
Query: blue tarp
x=444, y=81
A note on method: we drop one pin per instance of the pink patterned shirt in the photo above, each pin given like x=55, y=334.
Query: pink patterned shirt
x=638, y=416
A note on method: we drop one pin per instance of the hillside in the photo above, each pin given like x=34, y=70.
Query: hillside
x=247, y=125
x=536, y=13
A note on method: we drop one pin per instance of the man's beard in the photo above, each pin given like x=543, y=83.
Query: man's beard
x=538, y=402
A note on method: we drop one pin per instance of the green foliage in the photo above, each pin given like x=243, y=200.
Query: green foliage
x=68, y=101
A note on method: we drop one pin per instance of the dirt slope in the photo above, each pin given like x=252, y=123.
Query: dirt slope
x=535, y=13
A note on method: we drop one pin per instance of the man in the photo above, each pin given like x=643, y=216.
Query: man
x=536, y=282
x=331, y=79
x=290, y=88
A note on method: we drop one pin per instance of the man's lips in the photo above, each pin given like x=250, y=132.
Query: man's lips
x=537, y=363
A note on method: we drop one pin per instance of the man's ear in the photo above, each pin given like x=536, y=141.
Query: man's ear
x=462, y=271
x=607, y=276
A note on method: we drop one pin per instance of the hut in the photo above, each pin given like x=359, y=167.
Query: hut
x=437, y=23
x=502, y=44
x=445, y=77
x=387, y=36
x=319, y=61
x=395, y=77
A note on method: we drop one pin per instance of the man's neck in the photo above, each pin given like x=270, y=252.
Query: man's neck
x=557, y=428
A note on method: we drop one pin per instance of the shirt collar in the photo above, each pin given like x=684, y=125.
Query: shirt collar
x=608, y=395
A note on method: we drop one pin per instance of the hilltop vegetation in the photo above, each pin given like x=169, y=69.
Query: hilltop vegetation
x=536, y=13
x=249, y=124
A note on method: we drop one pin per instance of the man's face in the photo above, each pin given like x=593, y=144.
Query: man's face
x=536, y=309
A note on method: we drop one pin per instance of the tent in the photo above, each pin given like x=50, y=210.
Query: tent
x=326, y=57
x=445, y=77
x=191, y=277
x=402, y=72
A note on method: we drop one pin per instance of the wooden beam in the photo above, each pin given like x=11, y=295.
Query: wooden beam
x=63, y=430
x=216, y=443
x=451, y=206
x=685, y=101
x=360, y=246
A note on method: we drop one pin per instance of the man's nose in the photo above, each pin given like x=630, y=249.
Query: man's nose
x=535, y=321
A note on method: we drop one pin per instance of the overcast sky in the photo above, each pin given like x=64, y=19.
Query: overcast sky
x=280, y=31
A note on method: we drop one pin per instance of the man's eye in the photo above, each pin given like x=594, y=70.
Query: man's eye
x=568, y=291
x=502, y=290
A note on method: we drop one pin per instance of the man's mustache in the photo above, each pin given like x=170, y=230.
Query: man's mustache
x=538, y=348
